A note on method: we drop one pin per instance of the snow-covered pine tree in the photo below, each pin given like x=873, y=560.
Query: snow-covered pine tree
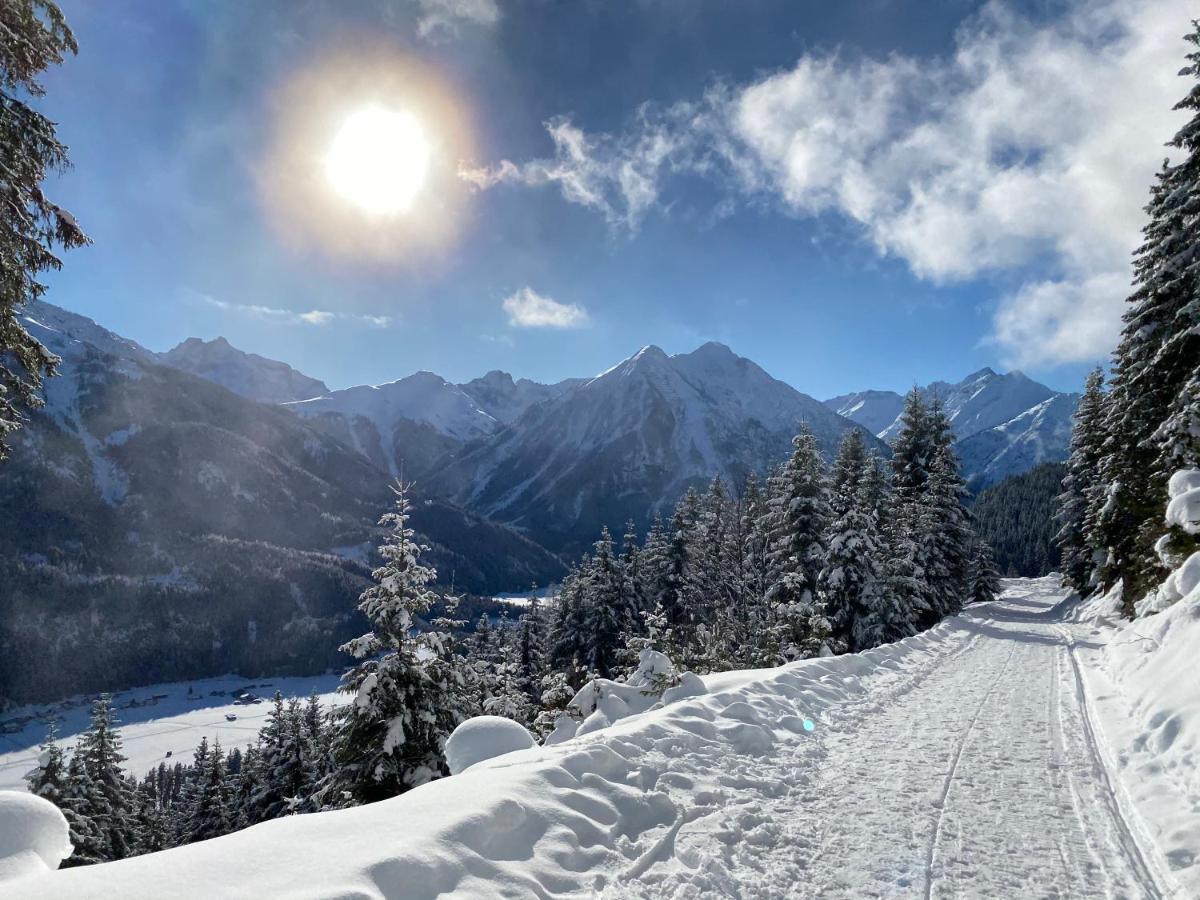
x=83, y=806
x=1155, y=363
x=49, y=779
x=509, y=697
x=1080, y=483
x=912, y=451
x=409, y=690
x=153, y=830
x=799, y=520
x=36, y=37
x=673, y=607
x=984, y=582
x=531, y=645
x=208, y=815
x=947, y=534
x=245, y=787
x=271, y=789
x=568, y=638
x=607, y=607
x=850, y=581
x=100, y=749
x=757, y=616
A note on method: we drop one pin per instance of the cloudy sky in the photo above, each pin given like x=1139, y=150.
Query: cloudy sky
x=859, y=194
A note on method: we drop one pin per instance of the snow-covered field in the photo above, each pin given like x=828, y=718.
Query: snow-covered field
x=160, y=723
x=1006, y=753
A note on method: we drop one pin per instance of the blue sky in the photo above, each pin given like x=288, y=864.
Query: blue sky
x=853, y=195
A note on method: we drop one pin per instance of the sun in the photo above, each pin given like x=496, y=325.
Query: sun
x=379, y=160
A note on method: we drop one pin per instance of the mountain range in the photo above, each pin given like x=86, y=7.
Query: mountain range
x=1004, y=424
x=206, y=497
x=159, y=526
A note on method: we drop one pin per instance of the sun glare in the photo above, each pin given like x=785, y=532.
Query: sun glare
x=379, y=160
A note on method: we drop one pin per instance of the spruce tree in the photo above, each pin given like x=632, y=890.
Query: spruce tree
x=208, y=815
x=606, y=607
x=49, y=779
x=984, y=582
x=850, y=581
x=84, y=808
x=410, y=690
x=912, y=451
x=1155, y=364
x=1080, y=483
x=100, y=749
x=33, y=36
x=799, y=519
x=947, y=535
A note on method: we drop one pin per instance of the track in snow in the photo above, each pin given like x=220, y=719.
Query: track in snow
x=978, y=775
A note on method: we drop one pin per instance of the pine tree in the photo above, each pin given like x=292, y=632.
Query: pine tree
x=984, y=582
x=850, y=582
x=913, y=449
x=83, y=807
x=799, y=519
x=947, y=535
x=568, y=638
x=100, y=749
x=1155, y=364
x=531, y=645
x=606, y=607
x=35, y=37
x=410, y=690
x=49, y=779
x=1081, y=483
x=208, y=815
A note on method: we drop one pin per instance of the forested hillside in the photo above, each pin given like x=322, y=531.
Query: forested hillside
x=1016, y=518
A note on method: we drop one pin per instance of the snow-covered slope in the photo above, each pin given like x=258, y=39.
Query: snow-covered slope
x=70, y=335
x=1040, y=434
x=1004, y=424
x=873, y=410
x=247, y=374
x=401, y=425
x=504, y=399
x=157, y=723
x=970, y=761
x=631, y=440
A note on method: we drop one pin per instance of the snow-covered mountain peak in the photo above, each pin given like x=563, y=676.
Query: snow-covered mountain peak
x=67, y=334
x=248, y=374
x=1005, y=423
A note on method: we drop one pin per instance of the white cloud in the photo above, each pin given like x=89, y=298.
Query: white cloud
x=273, y=313
x=442, y=18
x=529, y=309
x=1030, y=149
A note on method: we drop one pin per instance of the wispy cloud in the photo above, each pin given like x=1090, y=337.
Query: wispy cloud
x=1030, y=149
x=311, y=317
x=529, y=309
x=442, y=18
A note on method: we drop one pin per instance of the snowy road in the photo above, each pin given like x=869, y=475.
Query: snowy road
x=977, y=775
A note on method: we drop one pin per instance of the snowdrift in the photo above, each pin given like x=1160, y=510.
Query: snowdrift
x=582, y=815
x=34, y=837
x=1145, y=681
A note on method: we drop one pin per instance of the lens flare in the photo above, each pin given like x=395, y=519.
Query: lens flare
x=361, y=158
x=809, y=725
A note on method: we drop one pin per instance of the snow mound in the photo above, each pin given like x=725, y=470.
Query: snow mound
x=34, y=836
x=1184, y=507
x=601, y=701
x=485, y=737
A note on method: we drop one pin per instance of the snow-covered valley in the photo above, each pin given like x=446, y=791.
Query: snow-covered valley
x=158, y=723
x=1002, y=753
